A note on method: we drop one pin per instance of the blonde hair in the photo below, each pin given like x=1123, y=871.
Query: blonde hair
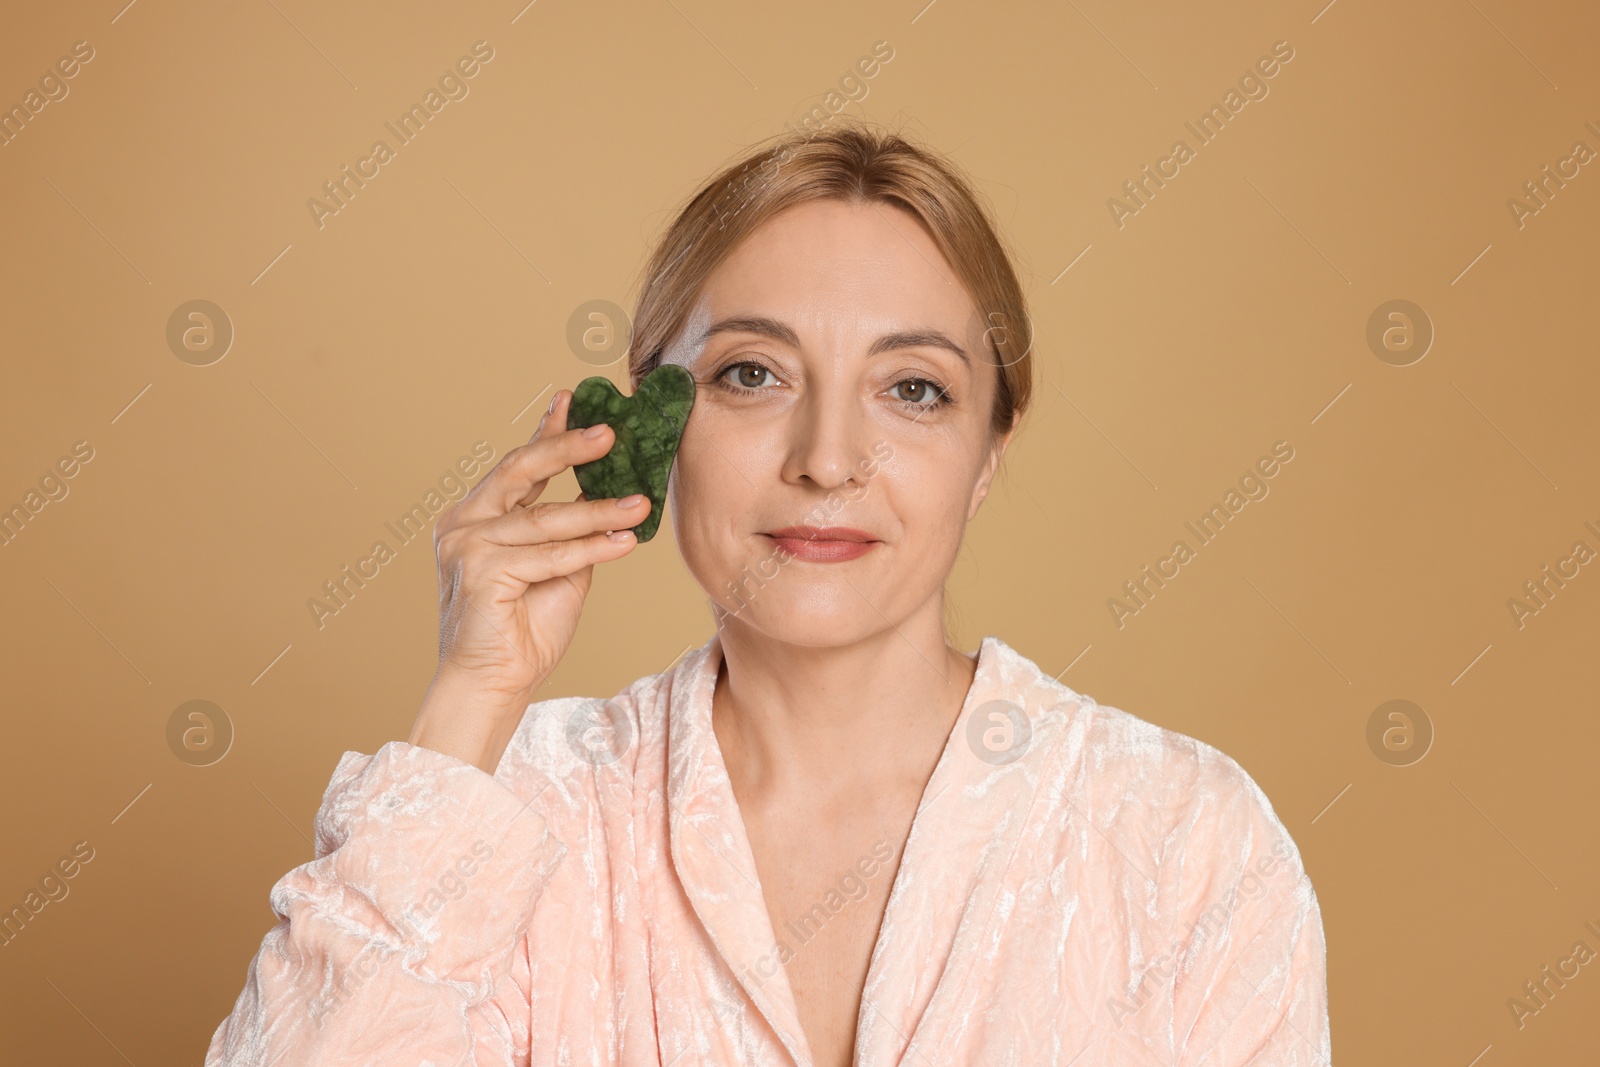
x=855, y=163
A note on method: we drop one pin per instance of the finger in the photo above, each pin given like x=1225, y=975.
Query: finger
x=486, y=499
x=540, y=563
x=523, y=473
x=551, y=426
x=531, y=467
x=553, y=520
x=582, y=579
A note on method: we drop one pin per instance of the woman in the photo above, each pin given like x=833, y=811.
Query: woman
x=825, y=836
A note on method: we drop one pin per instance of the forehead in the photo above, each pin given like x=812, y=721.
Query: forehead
x=835, y=269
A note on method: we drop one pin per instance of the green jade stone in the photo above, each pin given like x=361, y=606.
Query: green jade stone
x=649, y=424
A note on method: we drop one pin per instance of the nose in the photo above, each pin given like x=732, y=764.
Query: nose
x=827, y=438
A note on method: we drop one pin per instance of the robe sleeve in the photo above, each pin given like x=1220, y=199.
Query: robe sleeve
x=402, y=940
x=1251, y=988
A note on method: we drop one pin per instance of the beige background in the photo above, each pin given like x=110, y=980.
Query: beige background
x=1228, y=314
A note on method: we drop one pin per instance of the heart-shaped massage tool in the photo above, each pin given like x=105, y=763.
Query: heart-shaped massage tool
x=649, y=424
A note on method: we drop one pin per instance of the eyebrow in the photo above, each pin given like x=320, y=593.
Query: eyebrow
x=779, y=331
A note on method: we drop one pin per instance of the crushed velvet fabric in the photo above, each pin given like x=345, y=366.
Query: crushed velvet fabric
x=1079, y=887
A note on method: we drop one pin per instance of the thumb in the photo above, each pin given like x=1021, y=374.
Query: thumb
x=582, y=579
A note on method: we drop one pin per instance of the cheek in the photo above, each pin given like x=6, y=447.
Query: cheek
x=713, y=461
x=725, y=459
x=706, y=494
x=926, y=491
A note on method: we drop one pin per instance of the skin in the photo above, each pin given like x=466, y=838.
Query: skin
x=838, y=688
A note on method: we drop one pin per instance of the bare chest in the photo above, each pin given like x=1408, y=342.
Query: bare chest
x=826, y=890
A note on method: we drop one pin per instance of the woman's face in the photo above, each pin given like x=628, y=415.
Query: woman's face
x=828, y=395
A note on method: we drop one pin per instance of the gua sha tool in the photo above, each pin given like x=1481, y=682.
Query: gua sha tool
x=649, y=424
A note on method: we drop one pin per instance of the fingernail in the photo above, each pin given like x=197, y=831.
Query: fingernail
x=620, y=536
x=595, y=431
x=632, y=500
x=553, y=402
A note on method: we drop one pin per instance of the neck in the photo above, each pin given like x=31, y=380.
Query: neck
x=840, y=718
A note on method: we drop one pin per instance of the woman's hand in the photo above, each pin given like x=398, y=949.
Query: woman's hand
x=513, y=576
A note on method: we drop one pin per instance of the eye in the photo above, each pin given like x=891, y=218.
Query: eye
x=749, y=375
x=920, y=392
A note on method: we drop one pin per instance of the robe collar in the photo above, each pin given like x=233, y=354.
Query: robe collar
x=965, y=829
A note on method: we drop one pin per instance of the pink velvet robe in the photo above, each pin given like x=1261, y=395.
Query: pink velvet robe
x=1079, y=887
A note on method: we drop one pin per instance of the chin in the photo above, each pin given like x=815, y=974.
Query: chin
x=820, y=616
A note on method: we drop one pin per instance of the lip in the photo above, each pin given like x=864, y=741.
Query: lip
x=823, y=544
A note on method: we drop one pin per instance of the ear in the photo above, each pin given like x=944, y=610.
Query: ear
x=991, y=464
